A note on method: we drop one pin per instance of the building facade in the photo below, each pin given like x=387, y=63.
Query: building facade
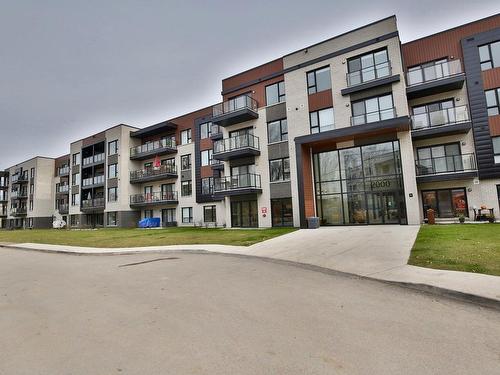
x=358, y=129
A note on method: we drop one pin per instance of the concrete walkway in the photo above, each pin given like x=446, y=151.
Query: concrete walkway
x=377, y=252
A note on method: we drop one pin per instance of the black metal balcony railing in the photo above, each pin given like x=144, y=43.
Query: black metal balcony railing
x=236, y=143
x=98, y=158
x=64, y=171
x=441, y=117
x=215, y=131
x=237, y=182
x=165, y=143
x=62, y=189
x=156, y=197
x=19, y=178
x=367, y=118
x=97, y=180
x=149, y=173
x=18, y=194
x=432, y=72
x=92, y=203
x=16, y=211
x=236, y=104
x=368, y=74
x=63, y=208
x=446, y=164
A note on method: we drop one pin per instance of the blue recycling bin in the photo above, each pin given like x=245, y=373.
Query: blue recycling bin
x=152, y=222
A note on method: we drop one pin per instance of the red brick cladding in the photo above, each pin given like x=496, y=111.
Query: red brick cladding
x=491, y=78
x=494, y=123
x=320, y=100
x=445, y=44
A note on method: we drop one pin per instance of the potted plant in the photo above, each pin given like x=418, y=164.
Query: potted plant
x=461, y=218
x=491, y=218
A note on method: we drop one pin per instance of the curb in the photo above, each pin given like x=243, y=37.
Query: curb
x=419, y=287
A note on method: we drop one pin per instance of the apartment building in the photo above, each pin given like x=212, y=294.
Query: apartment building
x=357, y=129
x=4, y=198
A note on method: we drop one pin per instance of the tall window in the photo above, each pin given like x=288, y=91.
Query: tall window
x=207, y=186
x=368, y=67
x=111, y=219
x=186, y=137
x=319, y=80
x=209, y=214
x=76, y=158
x=373, y=109
x=439, y=159
x=279, y=169
x=113, y=147
x=205, y=130
x=186, y=188
x=112, y=194
x=496, y=149
x=170, y=162
x=321, y=121
x=32, y=172
x=112, y=170
x=187, y=215
x=275, y=93
x=493, y=101
x=277, y=131
x=489, y=54
x=206, y=157
x=75, y=199
x=186, y=162
x=168, y=216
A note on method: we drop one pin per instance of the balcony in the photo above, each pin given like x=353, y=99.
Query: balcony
x=237, y=185
x=445, y=168
x=63, y=208
x=367, y=118
x=216, y=133
x=154, y=198
x=93, y=160
x=236, y=110
x=153, y=174
x=447, y=121
x=434, y=78
x=217, y=164
x=62, y=189
x=236, y=147
x=94, y=204
x=93, y=182
x=161, y=147
x=18, y=195
x=64, y=171
x=18, y=211
x=19, y=179
x=368, y=78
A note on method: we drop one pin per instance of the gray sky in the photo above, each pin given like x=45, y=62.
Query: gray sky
x=69, y=69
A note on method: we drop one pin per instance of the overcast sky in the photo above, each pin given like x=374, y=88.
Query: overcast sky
x=69, y=69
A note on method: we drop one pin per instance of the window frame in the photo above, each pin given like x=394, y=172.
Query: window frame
x=188, y=136
x=373, y=67
x=189, y=217
x=108, y=215
x=496, y=152
x=210, y=185
x=379, y=111
x=318, y=127
x=75, y=158
x=283, y=135
x=186, y=188
x=188, y=156
x=213, y=213
x=312, y=88
x=115, y=144
x=285, y=175
x=490, y=56
x=496, y=92
x=112, y=194
x=209, y=153
x=115, y=167
x=280, y=95
x=206, y=127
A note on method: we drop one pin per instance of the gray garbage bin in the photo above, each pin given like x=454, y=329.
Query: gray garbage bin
x=313, y=222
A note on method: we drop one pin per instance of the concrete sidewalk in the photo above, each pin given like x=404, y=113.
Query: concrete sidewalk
x=376, y=252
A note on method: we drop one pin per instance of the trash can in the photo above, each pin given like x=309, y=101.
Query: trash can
x=313, y=222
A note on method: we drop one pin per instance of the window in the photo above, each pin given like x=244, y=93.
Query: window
x=445, y=202
x=205, y=130
x=148, y=214
x=496, y=149
x=493, y=101
x=282, y=212
x=32, y=189
x=206, y=157
x=187, y=215
x=186, y=188
x=368, y=67
x=489, y=54
x=31, y=205
x=74, y=220
x=75, y=199
x=111, y=219
x=439, y=159
x=32, y=172
x=75, y=179
x=168, y=217
x=275, y=93
x=209, y=214
x=372, y=109
x=207, y=186
x=113, y=147
x=76, y=158
x=277, y=131
x=279, y=169
x=170, y=162
x=437, y=113
x=186, y=162
x=112, y=194
x=321, y=121
x=319, y=80
x=185, y=137
x=112, y=170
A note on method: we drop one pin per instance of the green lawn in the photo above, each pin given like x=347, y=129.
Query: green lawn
x=142, y=237
x=466, y=247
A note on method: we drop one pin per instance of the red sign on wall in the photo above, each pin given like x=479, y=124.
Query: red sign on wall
x=263, y=210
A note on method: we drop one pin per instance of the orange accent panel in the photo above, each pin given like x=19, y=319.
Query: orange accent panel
x=206, y=172
x=494, y=122
x=307, y=174
x=445, y=44
x=206, y=144
x=491, y=78
x=320, y=100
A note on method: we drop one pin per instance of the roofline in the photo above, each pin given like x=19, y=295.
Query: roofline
x=30, y=159
x=450, y=29
x=250, y=69
x=105, y=130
